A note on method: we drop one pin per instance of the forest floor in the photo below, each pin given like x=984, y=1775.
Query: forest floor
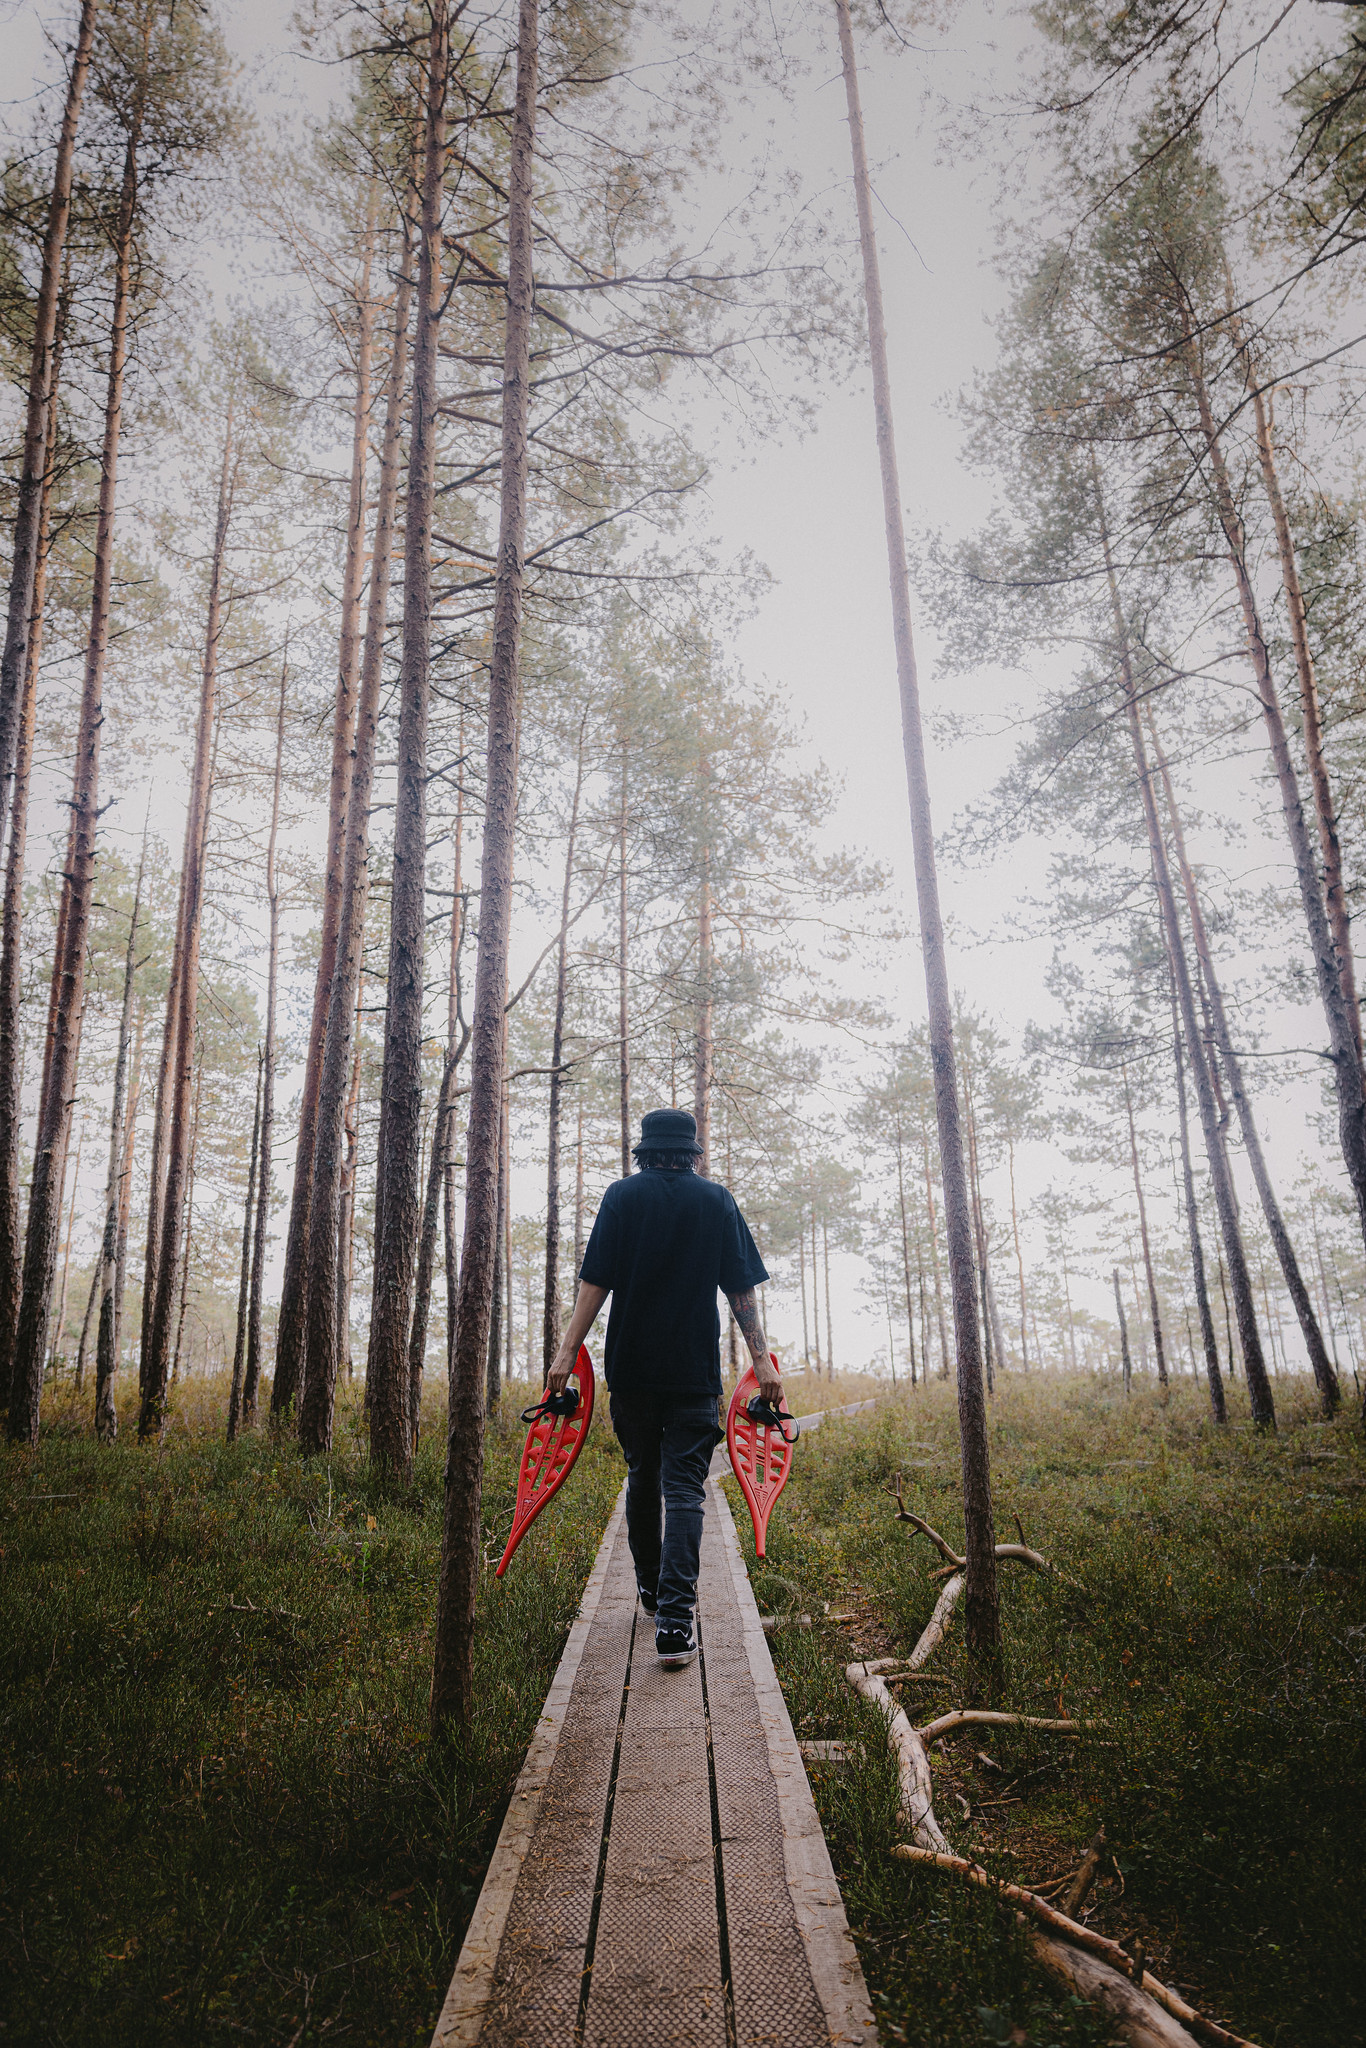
x=220, y=1814
x=1220, y=1640
x=222, y=1818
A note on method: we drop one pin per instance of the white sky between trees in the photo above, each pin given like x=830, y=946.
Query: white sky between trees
x=807, y=506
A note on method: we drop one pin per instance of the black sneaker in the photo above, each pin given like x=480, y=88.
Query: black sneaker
x=675, y=1647
x=649, y=1601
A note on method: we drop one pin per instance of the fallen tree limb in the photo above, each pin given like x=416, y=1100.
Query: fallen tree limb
x=933, y=1633
x=1020, y=1552
x=1091, y=1865
x=984, y=1717
x=1127, y=2001
x=913, y=1765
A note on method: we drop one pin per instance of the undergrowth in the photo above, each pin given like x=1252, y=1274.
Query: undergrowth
x=1219, y=1639
x=220, y=1814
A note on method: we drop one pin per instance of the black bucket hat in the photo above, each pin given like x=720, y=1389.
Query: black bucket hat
x=668, y=1130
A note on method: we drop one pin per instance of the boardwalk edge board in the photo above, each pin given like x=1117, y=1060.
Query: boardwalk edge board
x=830, y=1952
x=462, y=2015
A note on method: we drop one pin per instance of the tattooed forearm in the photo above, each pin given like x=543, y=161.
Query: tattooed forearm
x=745, y=1309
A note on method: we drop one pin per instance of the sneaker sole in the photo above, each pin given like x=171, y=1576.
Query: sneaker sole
x=675, y=1660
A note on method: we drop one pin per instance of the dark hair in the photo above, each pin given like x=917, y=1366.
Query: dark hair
x=651, y=1160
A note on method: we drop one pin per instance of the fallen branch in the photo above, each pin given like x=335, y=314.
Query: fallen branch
x=1097, y=1947
x=1092, y=1864
x=913, y=1765
x=983, y=1717
x=1020, y=1552
x=933, y=1634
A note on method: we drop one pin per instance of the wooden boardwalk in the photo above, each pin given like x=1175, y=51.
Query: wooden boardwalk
x=661, y=1877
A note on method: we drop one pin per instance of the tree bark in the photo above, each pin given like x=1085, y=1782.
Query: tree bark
x=11, y=941
x=1216, y=1383
x=829, y=1321
x=400, y=1111
x=1259, y=1387
x=181, y=1074
x=346, y=1225
x=905, y=1251
x=1325, y=811
x=251, y=1378
x=1344, y=1022
x=550, y=1313
x=1153, y=1309
x=191, y=1166
x=292, y=1362
x=1123, y=1334
x=27, y=544
x=239, y=1354
x=40, y=1240
x=426, y=1251
x=461, y=1552
x=106, y=1419
x=59, y=1323
x=126, y=1185
x=1324, y=1375
x=981, y=1611
x=324, y=1284
x=980, y=1224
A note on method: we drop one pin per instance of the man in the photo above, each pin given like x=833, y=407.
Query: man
x=664, y=1242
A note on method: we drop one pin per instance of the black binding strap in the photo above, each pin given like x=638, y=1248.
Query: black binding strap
x=553, y=1404
x=760, y=1410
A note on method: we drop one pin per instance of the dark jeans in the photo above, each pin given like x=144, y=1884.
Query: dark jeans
x=668, y=1439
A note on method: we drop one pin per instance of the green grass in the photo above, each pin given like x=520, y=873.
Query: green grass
x=220, y=1815
x=1220, y=1638
x=220, y=1818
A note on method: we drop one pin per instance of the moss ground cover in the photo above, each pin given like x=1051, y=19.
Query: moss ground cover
x=1221, y=1640
x=220, y=1815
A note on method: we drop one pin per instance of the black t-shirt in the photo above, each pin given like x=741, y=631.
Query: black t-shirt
x=664, y=1243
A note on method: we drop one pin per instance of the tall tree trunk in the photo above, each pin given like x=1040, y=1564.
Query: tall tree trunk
x=1216, y=1383
x=323, y=1281
x=239, y=1352
x=493, y=1391
x=801, y=1278
x=1019, y=1255
x=426, y=1250
x=461, y=1552
x=251, y=1377
x=126, y=1186
x=980, y=1226
x=550, y=1314
x=346, y=1224
x=1153, y=1309
x=1259, y=1386
x=292, y=1361
x=1339, y=917
x=26, y=544
x=981, y=1613
x=44, y=1206
x=623, y=1022
x=92, y=1295
x=160, y=1336
x=400, y=1109
x=191, y=1166
x=1324, y=1375
x=705, y=1050
x=59, y=1323
x=1123, y=1334
x=156, y=1190
x=106, y=1419
x=829, y=1321
x=11, y=938
x=905, y=1250
x=492, y=1376
x=1343, y=1020
x=934, y=1248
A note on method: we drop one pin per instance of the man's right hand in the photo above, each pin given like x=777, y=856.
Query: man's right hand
x=770, y=1385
